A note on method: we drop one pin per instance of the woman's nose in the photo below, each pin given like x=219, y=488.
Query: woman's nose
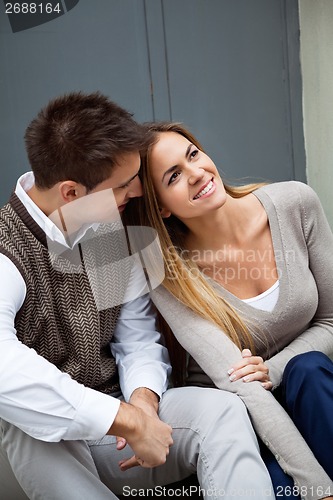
x=196, y=175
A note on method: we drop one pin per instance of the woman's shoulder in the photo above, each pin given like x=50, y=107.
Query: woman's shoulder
x=286, y=187
x=290, y=195
x=296, y=205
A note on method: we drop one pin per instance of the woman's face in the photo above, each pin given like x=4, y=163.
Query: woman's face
x=186, y=181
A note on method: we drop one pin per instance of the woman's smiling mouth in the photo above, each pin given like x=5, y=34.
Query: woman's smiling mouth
x=207, y=189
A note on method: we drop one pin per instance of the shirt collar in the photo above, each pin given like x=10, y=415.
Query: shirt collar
x=24, y=183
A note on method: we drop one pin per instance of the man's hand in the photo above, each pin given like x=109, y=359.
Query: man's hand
x=139, y=425
x=148, y=401
x=251, y=368
x=145, y=399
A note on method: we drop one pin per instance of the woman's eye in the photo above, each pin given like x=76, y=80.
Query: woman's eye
x=194, y=153
x=173, y=177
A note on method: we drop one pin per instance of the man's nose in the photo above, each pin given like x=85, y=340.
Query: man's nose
x=136, y=188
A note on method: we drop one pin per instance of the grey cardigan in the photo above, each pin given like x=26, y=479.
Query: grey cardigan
x=301, y=321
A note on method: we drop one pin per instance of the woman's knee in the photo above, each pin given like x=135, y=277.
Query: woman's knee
x=306, y=365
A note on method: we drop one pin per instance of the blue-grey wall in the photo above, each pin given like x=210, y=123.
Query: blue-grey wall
x=228, y=69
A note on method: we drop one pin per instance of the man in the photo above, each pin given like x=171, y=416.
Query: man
x=60, y=405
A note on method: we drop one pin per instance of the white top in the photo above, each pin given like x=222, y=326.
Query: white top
x=267, y=300
x=45, y=402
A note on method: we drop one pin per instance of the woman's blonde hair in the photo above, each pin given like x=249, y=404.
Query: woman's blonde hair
x=197, y=294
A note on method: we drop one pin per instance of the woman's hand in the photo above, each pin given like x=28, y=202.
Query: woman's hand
x=251, y=368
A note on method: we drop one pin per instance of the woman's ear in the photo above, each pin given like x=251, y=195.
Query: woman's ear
x=164, y=213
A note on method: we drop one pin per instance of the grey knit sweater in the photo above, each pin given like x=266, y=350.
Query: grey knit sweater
x=301, y=321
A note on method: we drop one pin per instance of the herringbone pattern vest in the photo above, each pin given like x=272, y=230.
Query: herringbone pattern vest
x=59, y=318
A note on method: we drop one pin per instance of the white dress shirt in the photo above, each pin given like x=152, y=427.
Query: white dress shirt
x=47, y=403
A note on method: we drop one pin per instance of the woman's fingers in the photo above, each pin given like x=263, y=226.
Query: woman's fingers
x=250, y=372
x=249, y=369
x=267, y=385
x=256, y=361
x=261, y=376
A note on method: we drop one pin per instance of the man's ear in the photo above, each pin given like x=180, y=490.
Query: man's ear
x=164, y=213
x=71, y=190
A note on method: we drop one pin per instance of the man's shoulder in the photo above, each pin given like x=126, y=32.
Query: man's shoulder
x=7, y=216
x=13, y=242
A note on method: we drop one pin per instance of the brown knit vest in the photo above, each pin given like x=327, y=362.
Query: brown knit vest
x=59, y=317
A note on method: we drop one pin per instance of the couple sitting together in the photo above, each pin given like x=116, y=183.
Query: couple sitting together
x=245, y=311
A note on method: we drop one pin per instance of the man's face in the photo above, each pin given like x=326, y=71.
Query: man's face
x=124, y=180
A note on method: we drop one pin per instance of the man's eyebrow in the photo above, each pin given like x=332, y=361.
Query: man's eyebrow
x=129, y=180
x=172, y=169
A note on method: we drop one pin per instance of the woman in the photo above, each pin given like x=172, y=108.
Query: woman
x=248, y=269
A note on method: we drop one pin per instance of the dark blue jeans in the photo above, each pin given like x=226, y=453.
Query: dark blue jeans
x=306, y=393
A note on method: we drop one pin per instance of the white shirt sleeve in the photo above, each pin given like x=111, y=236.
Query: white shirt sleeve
x=137, y=346
x=34, y=395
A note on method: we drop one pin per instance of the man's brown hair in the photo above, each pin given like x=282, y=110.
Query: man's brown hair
x=80, y=137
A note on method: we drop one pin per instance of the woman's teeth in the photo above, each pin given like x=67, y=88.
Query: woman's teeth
x=204, y=191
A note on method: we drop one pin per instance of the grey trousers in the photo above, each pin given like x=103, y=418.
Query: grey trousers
x=212, y=436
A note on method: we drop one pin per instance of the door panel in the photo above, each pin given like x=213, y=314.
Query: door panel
x=228, y=69
x=229, y=83
x=95, y=46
